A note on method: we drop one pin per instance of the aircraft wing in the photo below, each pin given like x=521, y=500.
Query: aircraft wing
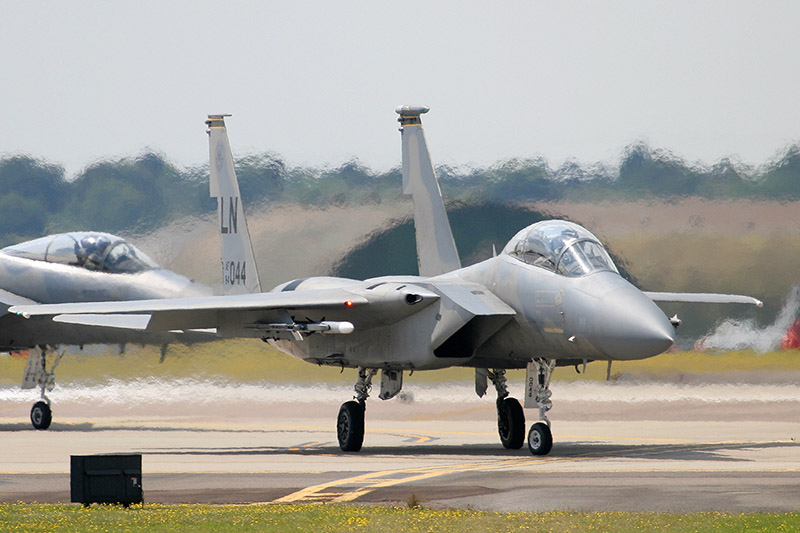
x=9, y=299
x=700, y=297
x=281, y=314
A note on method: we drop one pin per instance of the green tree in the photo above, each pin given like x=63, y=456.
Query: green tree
x=781, y=180
x=124, y=194
x=647, y=173
x=33, y=179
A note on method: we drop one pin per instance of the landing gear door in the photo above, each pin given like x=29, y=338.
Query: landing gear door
x=34, y=369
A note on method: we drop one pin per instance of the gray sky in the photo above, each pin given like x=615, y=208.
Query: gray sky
x=317, y=82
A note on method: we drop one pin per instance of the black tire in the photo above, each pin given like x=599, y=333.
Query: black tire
x=41, y=415
x=350, y=426
x=511, y=424
x=540, y=439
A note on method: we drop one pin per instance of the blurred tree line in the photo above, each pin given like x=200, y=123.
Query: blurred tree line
x=144, y=192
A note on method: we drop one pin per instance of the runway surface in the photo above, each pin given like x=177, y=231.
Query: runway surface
x=653, y=447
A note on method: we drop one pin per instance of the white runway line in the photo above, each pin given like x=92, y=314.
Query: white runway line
x=151, y=391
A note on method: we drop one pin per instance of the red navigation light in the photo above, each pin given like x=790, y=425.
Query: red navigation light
x=349, y=303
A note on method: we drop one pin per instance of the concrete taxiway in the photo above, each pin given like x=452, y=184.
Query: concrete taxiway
x=656, y=447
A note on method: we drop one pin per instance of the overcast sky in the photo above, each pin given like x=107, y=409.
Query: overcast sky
x=317, y=82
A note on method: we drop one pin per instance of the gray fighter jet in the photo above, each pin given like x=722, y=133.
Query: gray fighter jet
x=553, y=296
x=94, y=266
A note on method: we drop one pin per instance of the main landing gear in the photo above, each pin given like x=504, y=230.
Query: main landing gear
x=350, y=425
x=510, y=417
x=41, y=414
x=37, y=375
x=537, y=385
x=350, y=422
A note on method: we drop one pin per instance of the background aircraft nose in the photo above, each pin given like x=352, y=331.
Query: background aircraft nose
x=628, y=325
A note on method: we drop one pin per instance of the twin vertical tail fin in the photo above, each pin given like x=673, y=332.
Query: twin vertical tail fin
x=239, y=272
x=436, y=248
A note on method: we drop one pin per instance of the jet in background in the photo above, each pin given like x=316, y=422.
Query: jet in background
x=553, y=296
x=95, y=266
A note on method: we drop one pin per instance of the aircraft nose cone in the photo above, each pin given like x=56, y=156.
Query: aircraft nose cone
x=628, y=325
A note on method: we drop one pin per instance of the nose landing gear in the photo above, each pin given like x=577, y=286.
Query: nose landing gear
x=540, y=439
x=537, y=394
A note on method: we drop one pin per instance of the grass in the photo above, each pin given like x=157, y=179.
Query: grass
x=251, y=361
x=329, y=518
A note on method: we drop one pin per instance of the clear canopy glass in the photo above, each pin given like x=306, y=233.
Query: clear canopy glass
x=561, y=247
x=94, y=251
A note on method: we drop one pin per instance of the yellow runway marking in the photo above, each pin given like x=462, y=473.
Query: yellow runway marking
x=388, y=478
x=414, y=438
x=446, y=414
x=308, y=445
x=352, y=488
x=389, y=431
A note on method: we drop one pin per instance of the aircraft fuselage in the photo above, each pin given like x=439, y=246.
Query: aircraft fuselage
x=597, y=316
x=45, y=282
x=26, y=281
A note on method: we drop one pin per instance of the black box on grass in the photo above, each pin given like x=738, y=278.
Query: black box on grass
x=106, y=479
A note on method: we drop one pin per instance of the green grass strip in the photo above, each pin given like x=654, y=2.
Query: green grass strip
x=325, y=518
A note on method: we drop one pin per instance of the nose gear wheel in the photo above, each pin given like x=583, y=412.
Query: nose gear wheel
x=540, y=439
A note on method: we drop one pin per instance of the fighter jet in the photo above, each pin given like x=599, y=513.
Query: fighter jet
x=95, y=266
x=553, y=296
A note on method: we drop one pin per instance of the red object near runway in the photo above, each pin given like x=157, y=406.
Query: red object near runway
x=791, y=339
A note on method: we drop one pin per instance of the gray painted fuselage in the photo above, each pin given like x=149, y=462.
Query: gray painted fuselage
x=25, y=280
x=597, y=316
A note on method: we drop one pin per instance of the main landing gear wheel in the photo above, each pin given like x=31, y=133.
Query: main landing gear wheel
x=41, y=415
x=511, y=423
x=540, y=439
x=350, y=426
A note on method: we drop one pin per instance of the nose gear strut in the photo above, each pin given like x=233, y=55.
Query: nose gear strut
x=537, y=394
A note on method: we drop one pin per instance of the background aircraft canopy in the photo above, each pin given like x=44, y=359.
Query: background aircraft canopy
x=560, y=246
x=94, y=251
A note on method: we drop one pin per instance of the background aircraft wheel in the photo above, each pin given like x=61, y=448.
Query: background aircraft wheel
x=350, y=426
x=511, y=424
x=540, y=440
x=41, y=415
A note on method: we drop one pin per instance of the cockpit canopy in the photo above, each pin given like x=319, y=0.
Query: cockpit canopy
x=560, y=246
x=93, y=251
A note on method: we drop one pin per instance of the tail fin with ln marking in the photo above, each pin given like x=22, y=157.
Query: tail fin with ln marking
x=436, y=248
x=239, y=272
